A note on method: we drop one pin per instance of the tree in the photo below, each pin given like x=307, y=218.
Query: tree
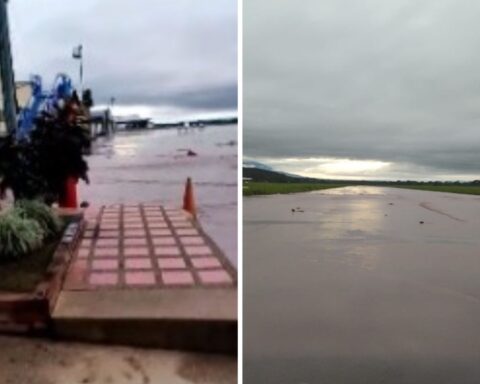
x=37, y=167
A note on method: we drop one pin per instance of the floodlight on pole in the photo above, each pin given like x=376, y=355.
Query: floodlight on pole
x=78, y=55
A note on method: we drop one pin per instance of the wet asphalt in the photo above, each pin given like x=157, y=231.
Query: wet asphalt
x=367, y=285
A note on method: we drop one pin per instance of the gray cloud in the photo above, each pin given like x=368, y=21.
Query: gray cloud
x=180, y=54
x=394, y=81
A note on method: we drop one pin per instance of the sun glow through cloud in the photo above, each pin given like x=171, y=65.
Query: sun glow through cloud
x=356, y=169
x=347, y=166
x=330, y=167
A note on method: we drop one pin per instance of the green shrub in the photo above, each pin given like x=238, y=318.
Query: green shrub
x=41, y=213
x=18, y=235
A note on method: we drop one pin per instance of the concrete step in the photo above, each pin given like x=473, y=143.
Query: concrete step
x=195, y=319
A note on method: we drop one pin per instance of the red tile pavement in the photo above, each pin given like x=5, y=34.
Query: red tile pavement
x=166, y=240
x=192, y=240
x=198, y=250
x=177, y=278
x=109, y=233
x=135, y=233
x=140, y=278
x=83, y=253
x=103, y=278
x=132, y=219
x=206, y=262
x=157, y=225
x=171, y=263
x=138, y=263
x=86, y=243
x=107, y=242
x=214, y=277
x=155, y=219
x=146, y=247
x=182, y=224
x=134, y=241
x=167, y=251
x=160, y=232
x=136, y=251
x=187, y=232
x=106, y=252
x=133, y=225
x=105, y=264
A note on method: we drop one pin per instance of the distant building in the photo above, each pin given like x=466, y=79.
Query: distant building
x=7, y=84
x=102, y=123
x=133, y=122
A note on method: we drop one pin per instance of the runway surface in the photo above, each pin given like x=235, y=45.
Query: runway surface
x=356, y=289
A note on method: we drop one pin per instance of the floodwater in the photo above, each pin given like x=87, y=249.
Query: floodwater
x=152, y=166
x=356, y=290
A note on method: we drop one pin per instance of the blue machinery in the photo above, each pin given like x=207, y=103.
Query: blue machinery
x=43, y=101
x=40, y=101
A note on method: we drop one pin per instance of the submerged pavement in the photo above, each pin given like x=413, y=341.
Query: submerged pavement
x=357, y=290
x=151, y=166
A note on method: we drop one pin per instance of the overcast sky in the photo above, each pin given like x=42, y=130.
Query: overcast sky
x=167, y=58
x=363, y=88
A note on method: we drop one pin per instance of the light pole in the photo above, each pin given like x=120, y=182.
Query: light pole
x=7, y=82
x=112, y=103
x=78, y=55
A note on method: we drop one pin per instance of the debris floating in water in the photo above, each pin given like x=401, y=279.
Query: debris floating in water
x=230, y=143
x=187, y=151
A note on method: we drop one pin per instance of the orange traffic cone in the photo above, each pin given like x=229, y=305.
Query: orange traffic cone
x=188, y=199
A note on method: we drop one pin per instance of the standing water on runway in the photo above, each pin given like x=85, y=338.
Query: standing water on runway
x=355, y=289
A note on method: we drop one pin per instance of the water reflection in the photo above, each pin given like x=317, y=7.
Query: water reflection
x=353, y=191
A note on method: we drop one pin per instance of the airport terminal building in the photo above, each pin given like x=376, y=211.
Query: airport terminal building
x=7, y=83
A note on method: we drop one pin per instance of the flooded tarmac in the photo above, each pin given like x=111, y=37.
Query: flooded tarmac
x=152, y=166
x=367, y=285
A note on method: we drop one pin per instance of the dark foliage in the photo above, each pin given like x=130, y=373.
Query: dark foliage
x=39, y=166
x=87, y=98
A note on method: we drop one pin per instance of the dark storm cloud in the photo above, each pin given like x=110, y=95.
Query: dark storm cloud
x=395, y=81
x=206, y=98
x=175, y=53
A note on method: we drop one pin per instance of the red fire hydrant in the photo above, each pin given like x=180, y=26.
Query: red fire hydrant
x=68, y=198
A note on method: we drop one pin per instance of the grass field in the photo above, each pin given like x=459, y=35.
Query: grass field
x=464, y=189
x=261, y=188
x=264, y=188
